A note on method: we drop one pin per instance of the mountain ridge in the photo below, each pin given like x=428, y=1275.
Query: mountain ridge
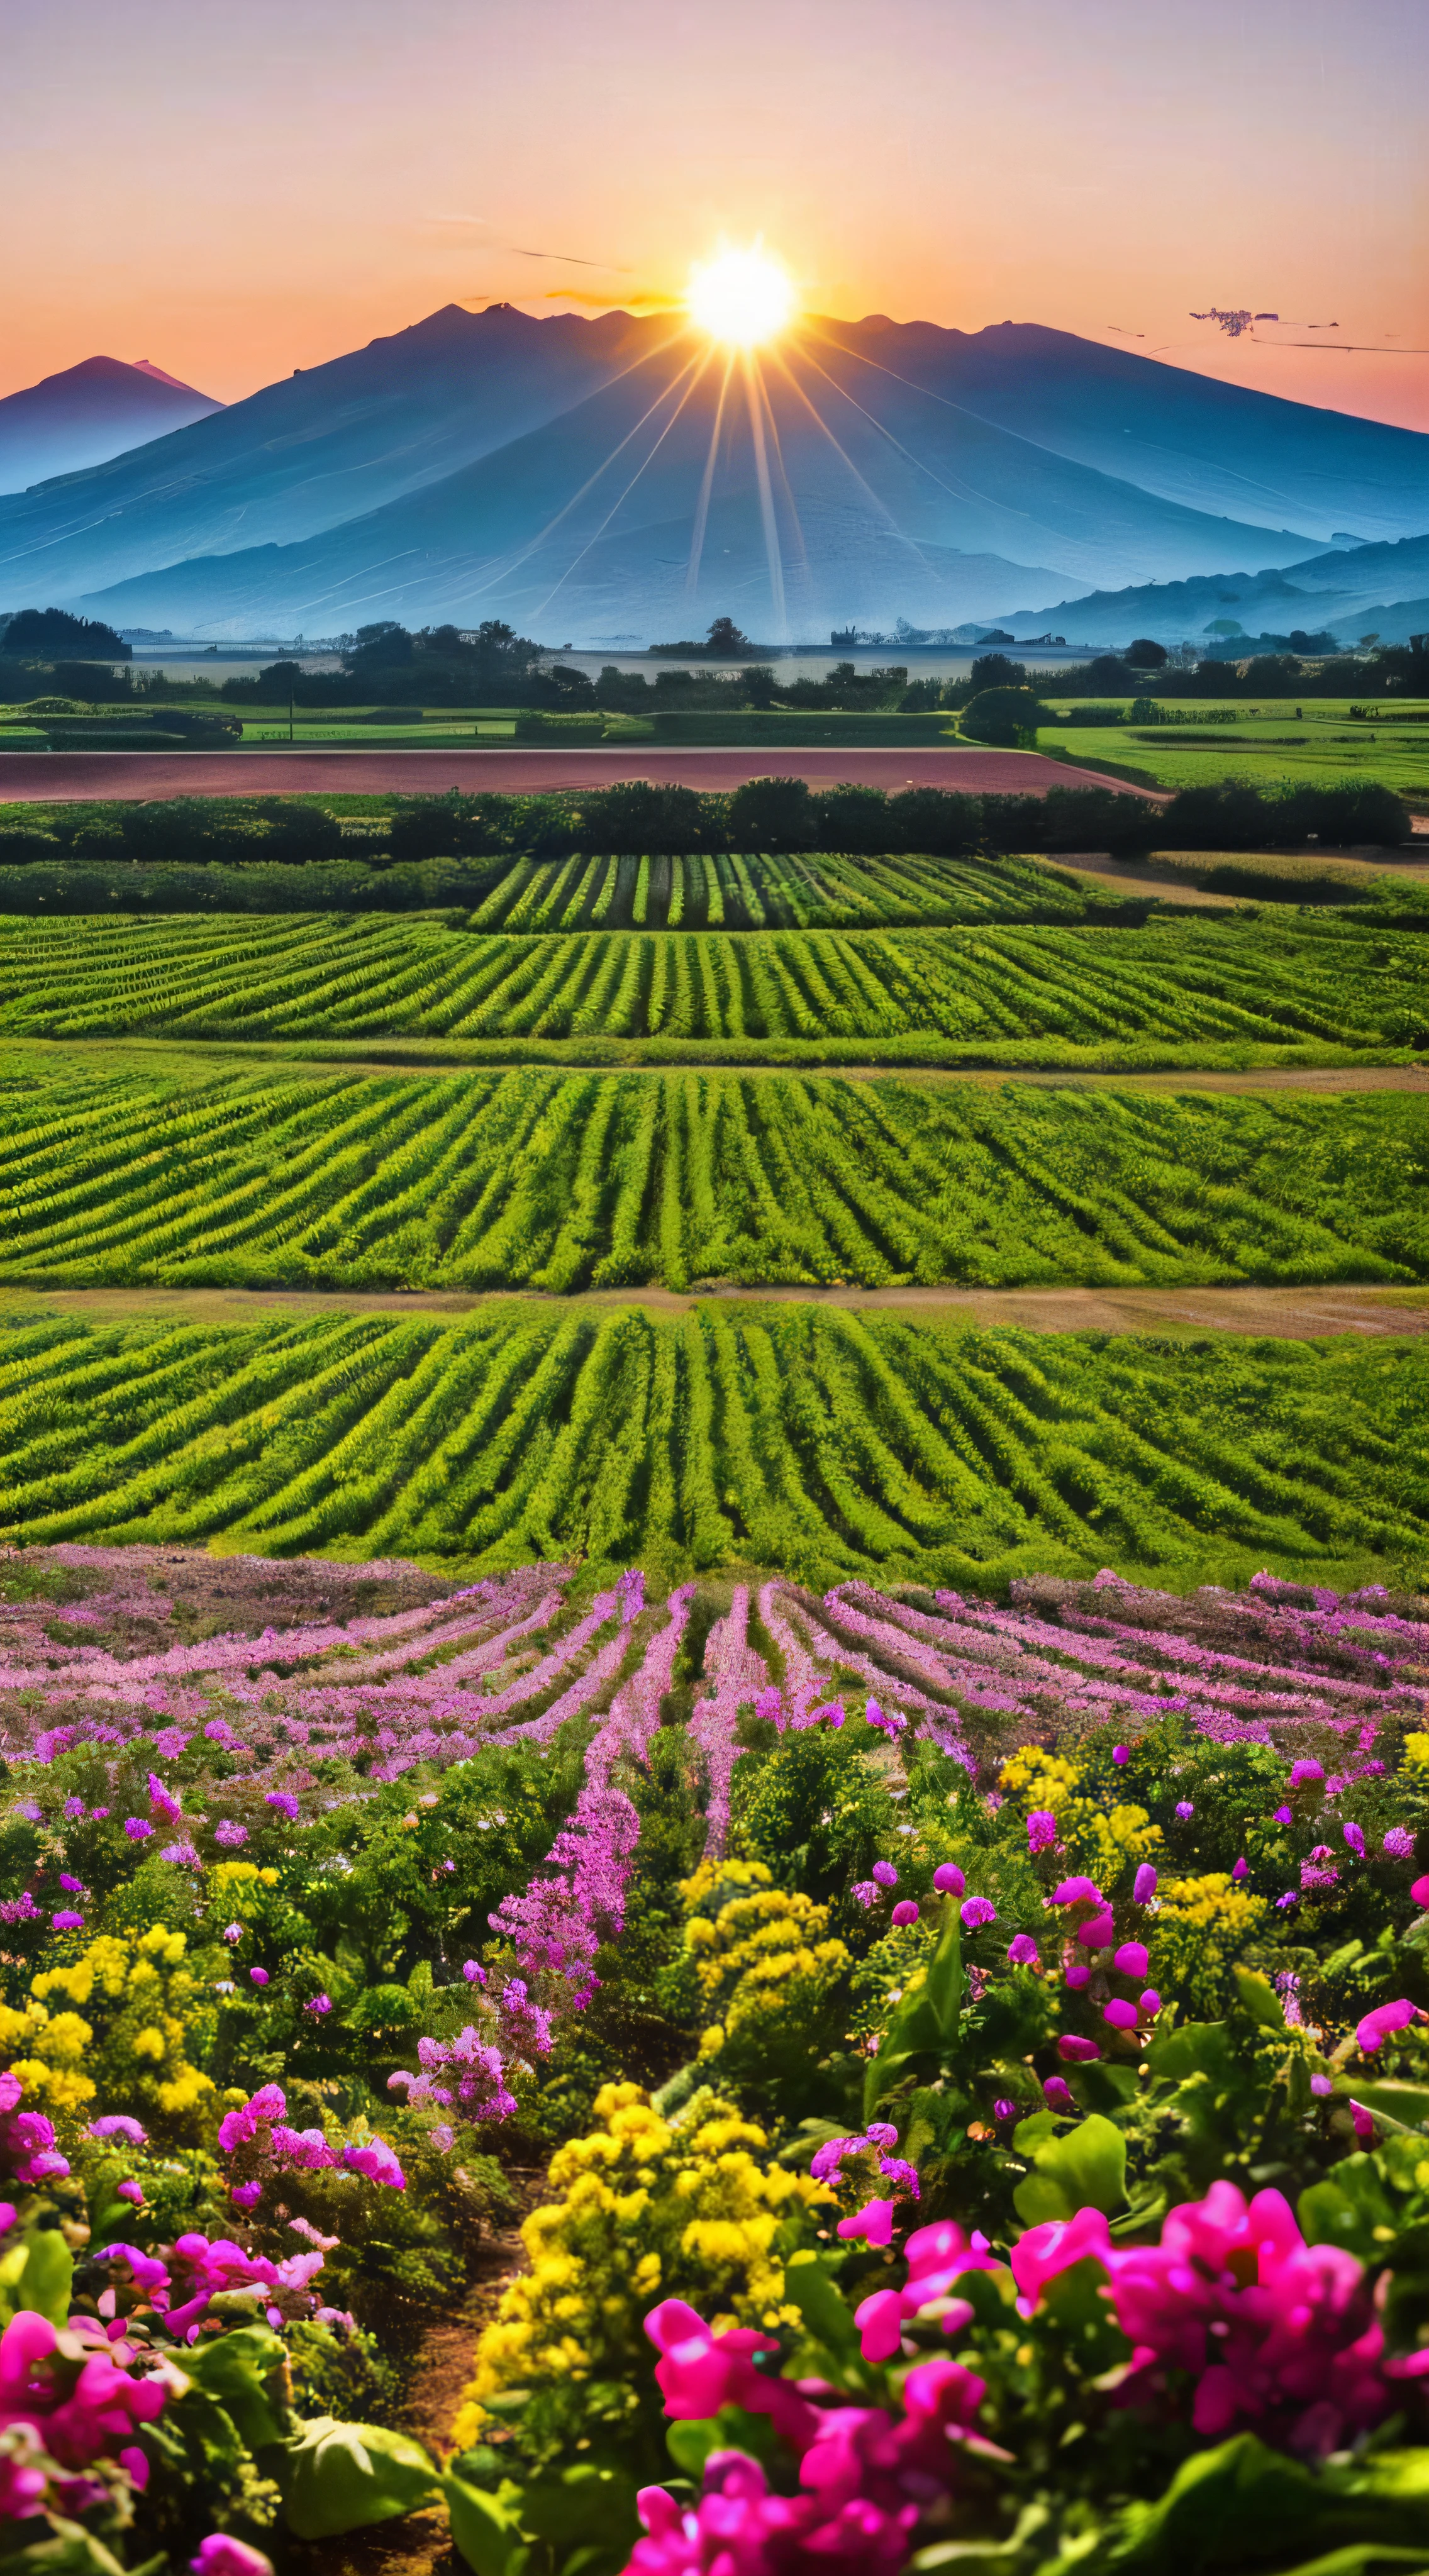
x=86, y=414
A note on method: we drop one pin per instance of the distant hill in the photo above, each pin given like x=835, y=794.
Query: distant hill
x=589, y=479
x=1349, y=590
x=89, y=413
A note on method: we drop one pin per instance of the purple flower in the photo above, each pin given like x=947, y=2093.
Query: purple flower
x=1301, y=1771
x=1184, y=1810
x=1041, y=1831
x=1079, y=1974
x=885, y=1873
x=948, y=1879
x=222, y=2555
x=182, y=1855
x=1321, y=2085
x=259, y=1976
x=1077, y=2052
x=882, y=2135
x=318, y=2004
x=1148, y=2004
x=1022, y=1951
x=1241, y=1868
x=1145, y=1887
x=1282, y=1816
x=117, y=2124
x=1057, y=2093
x=1121, y=1755
x=230, y=1833
x=1354, y=1836
x=246, y=2195
x=137, y=1828
x=864, y=1892
x=71, y=1886
x=28, y=1808
x=976, y=1912
x=1399, y=1843
x=1284, y=1903
x=130, y=2191
x=68, y=1922
x=904, y=2177
x=1376, y=2027
x=1131, y=1959
x=233, y=1932
x=1002, y=2109
x=905, y=1912
x=1122, y=2016
x=285, y=1804
x=473, y=1972
x=74, y=1809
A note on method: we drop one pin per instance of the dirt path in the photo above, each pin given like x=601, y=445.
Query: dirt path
x=1287, y=1313
x=62, y=777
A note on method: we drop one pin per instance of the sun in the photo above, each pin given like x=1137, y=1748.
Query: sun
x=742, y=296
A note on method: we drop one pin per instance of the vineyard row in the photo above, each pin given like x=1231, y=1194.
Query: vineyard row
x=807, y=891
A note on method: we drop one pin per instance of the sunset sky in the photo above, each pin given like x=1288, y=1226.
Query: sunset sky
x=235, y=191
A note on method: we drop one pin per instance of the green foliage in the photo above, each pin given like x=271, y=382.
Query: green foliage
x=343, y=2477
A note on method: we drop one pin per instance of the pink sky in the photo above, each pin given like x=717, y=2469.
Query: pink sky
x=237, y=191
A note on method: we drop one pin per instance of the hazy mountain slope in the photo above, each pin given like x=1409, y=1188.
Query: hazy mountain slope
x=1349, y=587
x=325, y=445
x=1211, y=446
x=868, y=487
x=87, y=413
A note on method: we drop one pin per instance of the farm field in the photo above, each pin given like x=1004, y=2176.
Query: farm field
x=814, y=890
x=1222, y=982
x=1316, y=745
x=805, y=1439
x=284, y=1175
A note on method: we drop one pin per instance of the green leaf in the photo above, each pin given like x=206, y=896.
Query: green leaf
x=234, y=2370
x=1080, y=2168
x=925, y=2024
x=70, y=2550
x=38, y=2273
x=830, y=2321
x=1407, y=2103
x=1346, y=2208
x=1197, y=2048
x=579, y=2503
x=1242, y=2505
x=1259, y=1998
x=485, y=2533
x=340, y=2477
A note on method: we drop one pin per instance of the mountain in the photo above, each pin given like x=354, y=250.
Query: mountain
x=828, y=490
x=326, y=444
x=1349, y=590
x=1188, y=438
x=88, y=413
x=588, y=479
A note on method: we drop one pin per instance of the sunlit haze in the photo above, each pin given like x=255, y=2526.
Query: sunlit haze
x=741, y=296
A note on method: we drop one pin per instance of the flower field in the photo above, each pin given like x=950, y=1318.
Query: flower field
x=563, y=1181
x=978, y=2045
x=1228, y=981
x=808, y=1439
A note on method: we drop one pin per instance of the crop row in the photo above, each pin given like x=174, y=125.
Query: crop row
x=563, y=1181
x=813, y=891
x=1227, y=979
x=807, y=1439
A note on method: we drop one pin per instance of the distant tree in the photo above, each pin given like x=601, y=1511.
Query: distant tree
x=1146, y=654
x=854, y=819
x=995, y=671
x=450, y=827
x=929, y=820
x=1003, y=716
x=49, y=634
x=758, y=685
x=379, y=647
x=725, y=637
x=636, y=817
x=773, y=814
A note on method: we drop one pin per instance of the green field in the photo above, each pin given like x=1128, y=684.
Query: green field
x=1227, y=980
x=1316, y=744
x=757, y=892
x=563, y=1182
x=813, y=1440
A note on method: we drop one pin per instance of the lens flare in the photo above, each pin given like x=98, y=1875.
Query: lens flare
x=742, y=297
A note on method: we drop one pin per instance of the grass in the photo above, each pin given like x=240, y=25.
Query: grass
x=1318, y=744
x=1207, y=982
x=813, y=1440
x=284, y=1176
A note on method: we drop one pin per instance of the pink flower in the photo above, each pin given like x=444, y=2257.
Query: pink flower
x=259, y=1976
x=905, y=1912
x=1131, y=1959
x=1042, y=2252
x=1098, y=1932
x=885, y=1873
x=1283, y=1816
x=130, y=2191
x=1375, y=2029
x=1420, y=1891
x=1399, y=1843
x=1241, y=1868
x=880, y=2323
x=1354, y=1836
x=230, y=1833
x=222, y=2555
x=1057, y=2093
x=864, y=1892
x=1145, y=1885
x=874, y=2221
x=700, y=2371
x=137, y=1828
x=948, y=1879
x=1022, y=1951
x=1122, y=2016
x=319, y=2004
x=1149, y=2004
x=1041, y=1831
x=117, y=2124
x=976, y=1912
x=1079, y=1891
x=1277, y=2334
x=1302, y=1771
x=1121, y=1755
x=1075, y=2051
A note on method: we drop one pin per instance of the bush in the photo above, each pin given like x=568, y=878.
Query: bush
x=854, y=819
x=773, y=814
x=1005, y=716
x=1146, y=654
x=457, y=827
x=637, y=819
x=1235, y=816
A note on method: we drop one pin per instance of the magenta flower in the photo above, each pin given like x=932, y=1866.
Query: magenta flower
x=1241, y=1868
x=1041, y=2253
x=1079, y=1891
x=137, y=1828
x=71, y=1886
x=874, y=2221
x=1354, y=1836
x=1002, y=2109
x=1041, y=1831
x=1122, y=2016
x=1184, y=1810
x=977, y=1911
x=1132, y=1959
x=1149, y=2004
x=222, y=2555
x=1302, y=1771
x=117, y=2124
x=1376, y=2027
x=130, y=2191
x=883, y=2135
x=1098, y=1932
x=67, y=1922
x=233, y=1932
x=318, y=2004
x=885, y=1873
x=259, y=1976
x=1057, y=2093
x=1363, y=2123
x=284, y=1802
x=1420, y=1891
x=473, y=1972
x=905, y=1912
x=1078, y=1974
x=230, y=1833
x=1145, y=1886
x=1121, y=1755
x=1398, y=1843
x=1284, y=1903
x=1022, y=1951
x=1283, y=1816
x=1075, y=2051
x=864, y=1892
x=948, y=1879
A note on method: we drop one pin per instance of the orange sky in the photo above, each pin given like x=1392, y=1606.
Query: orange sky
x=236, y=191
